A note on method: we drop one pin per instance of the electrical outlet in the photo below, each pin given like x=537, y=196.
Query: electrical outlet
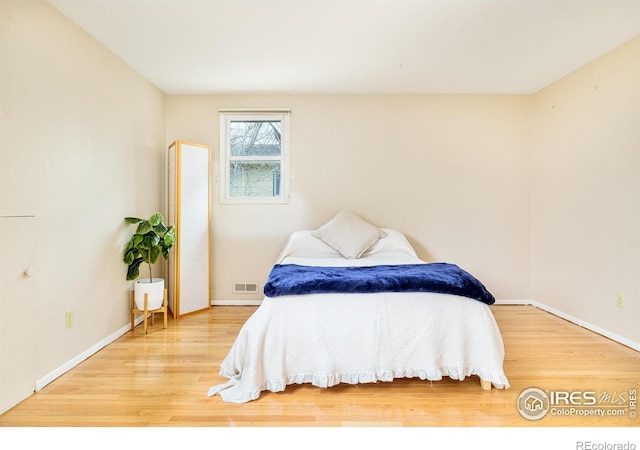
x=620, y=300
x=69, y=318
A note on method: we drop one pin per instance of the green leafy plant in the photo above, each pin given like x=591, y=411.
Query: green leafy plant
x=151, y=239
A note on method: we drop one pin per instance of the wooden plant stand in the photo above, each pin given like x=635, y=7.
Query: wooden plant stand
x=146, y=311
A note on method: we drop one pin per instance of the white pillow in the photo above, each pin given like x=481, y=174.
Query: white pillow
x=302, y=244
x=349, y=234
x=394, y=243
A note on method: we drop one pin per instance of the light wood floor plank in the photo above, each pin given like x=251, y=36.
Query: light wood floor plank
x=162, y=379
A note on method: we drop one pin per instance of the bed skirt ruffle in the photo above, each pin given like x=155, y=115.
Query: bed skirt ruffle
x=232, y=391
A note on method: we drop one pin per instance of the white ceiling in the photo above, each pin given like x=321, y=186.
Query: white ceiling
x=355, y=46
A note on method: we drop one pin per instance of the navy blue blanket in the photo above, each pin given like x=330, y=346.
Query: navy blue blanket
x=443, y=278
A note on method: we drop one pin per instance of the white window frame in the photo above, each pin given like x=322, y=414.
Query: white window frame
x=226, y=117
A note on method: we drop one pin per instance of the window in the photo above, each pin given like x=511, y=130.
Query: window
x=254, y=157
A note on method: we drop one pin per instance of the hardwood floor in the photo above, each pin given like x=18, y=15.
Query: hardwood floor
x=162, y=379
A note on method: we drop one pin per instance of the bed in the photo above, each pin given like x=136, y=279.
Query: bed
x=316, y=326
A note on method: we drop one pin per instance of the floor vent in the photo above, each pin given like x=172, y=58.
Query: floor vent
x=245, y=288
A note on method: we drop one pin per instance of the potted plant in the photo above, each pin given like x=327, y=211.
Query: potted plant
x=151, y=239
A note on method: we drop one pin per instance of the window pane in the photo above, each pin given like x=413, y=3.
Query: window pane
x=256, y=138
x=254, y=179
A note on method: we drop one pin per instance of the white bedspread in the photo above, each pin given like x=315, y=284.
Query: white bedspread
x=326, y=339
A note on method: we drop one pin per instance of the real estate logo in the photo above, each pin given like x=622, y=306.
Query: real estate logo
x=533, y=404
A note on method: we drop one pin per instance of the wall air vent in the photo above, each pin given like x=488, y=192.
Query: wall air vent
x=245, y=288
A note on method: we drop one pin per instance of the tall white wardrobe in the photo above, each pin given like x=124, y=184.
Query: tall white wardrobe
x=189, y=209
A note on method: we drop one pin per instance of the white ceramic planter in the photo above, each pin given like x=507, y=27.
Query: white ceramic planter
x=155, y=289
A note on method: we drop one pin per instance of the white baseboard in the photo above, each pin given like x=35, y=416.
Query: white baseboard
x=513, y=301
x=42, y=382
x=584, y=324
x=245, y=302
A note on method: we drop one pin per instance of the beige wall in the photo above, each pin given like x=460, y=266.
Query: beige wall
x=539, y=196
x=81, y=147
x=452, y=172
x=586, y=193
